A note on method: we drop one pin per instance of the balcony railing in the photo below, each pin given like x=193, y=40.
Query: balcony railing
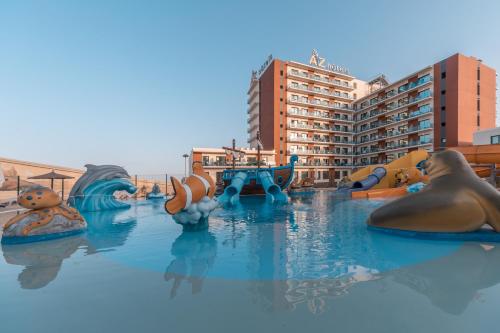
x=339, y=84
x=322, y=92
x=324, y=164
x=319, y=128
x=394, y=95
x=394, y=120
x=319, y=141
x=319, y=115
x=226, y=164
x=319, y=152
x=320, y=104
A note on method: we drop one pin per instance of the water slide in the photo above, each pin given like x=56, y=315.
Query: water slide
x=373, y=179
x=481, y=154
x=386, y=176
x=273, y=191
x=232, y=192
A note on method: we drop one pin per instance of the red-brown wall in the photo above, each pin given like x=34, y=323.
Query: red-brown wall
x=269, y=113
x=461, y=100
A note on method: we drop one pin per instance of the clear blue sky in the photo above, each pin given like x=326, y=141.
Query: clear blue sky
x=138, y=83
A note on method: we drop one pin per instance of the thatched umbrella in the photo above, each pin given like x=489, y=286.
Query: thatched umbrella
x=53, y=175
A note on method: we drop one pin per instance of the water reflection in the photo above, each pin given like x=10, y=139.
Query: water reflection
x=109, y=230
x=42, y=260
x=454, y=281
x=195, y=253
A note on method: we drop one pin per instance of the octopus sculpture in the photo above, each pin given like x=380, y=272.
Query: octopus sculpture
x=47, y=215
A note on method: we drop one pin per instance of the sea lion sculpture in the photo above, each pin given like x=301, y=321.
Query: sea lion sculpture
x=456, y=200
x=47, y=216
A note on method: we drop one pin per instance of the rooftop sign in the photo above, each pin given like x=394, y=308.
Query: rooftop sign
x=317, y=61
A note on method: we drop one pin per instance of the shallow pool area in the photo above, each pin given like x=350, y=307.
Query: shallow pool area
x=311, y=265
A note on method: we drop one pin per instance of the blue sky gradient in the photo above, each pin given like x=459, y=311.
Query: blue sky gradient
x=138, y=83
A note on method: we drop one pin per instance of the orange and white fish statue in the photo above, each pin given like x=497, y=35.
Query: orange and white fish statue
x=193, y=199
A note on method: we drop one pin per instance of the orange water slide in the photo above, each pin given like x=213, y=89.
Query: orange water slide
x=481, y=154
x=380, y=193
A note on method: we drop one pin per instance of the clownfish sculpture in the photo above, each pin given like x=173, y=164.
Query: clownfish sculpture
x=194, y=188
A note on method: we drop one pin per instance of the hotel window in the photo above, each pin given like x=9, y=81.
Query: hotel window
x=295, y=97
x=325, y=174
x=346, y=95
x=478, y=89
x=295, y=84
x=317, y=89
x=294, y=71
x=443, y=75
x=336, y=81
x=316, y=77
x=478, y=74
x=495, y=140
x=304, y=86
x=478, y=105
x=303, y=99
x=402, y=88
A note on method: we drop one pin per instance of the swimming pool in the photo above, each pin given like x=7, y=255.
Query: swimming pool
x=308, y=266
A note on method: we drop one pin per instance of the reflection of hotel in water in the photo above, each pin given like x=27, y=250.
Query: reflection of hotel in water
x=335, y=122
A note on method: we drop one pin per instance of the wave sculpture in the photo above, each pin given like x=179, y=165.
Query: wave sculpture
x=94, y=191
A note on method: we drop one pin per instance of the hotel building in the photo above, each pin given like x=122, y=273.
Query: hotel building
x=336, y=123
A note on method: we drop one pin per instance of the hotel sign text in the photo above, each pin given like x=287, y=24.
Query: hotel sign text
x=318, y=61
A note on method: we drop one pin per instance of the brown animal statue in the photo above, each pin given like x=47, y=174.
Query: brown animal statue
x=46, y=215
x=456, y=200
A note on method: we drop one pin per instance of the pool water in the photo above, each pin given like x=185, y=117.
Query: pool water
x=311, y=265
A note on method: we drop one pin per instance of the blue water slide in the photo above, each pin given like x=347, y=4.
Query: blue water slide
x=373, y=179
x=232, y=192
x=273, y=191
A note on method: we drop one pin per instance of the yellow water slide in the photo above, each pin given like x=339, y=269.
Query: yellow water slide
x=402, y=170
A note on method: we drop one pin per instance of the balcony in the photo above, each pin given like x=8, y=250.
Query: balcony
x=329, y=94
x=410, y=130
x=229, y=164
x=345, y=85
x=395, y=120
x=252, y=117
x=410, y=144
x=319, y=141
x=395, y=95
x=389, y=110
x=252, y=128
x=319, y=152
x=318, y=128
x=326, y=105
x=320, y=115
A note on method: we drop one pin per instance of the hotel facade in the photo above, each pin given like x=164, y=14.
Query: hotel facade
x=336, y=123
